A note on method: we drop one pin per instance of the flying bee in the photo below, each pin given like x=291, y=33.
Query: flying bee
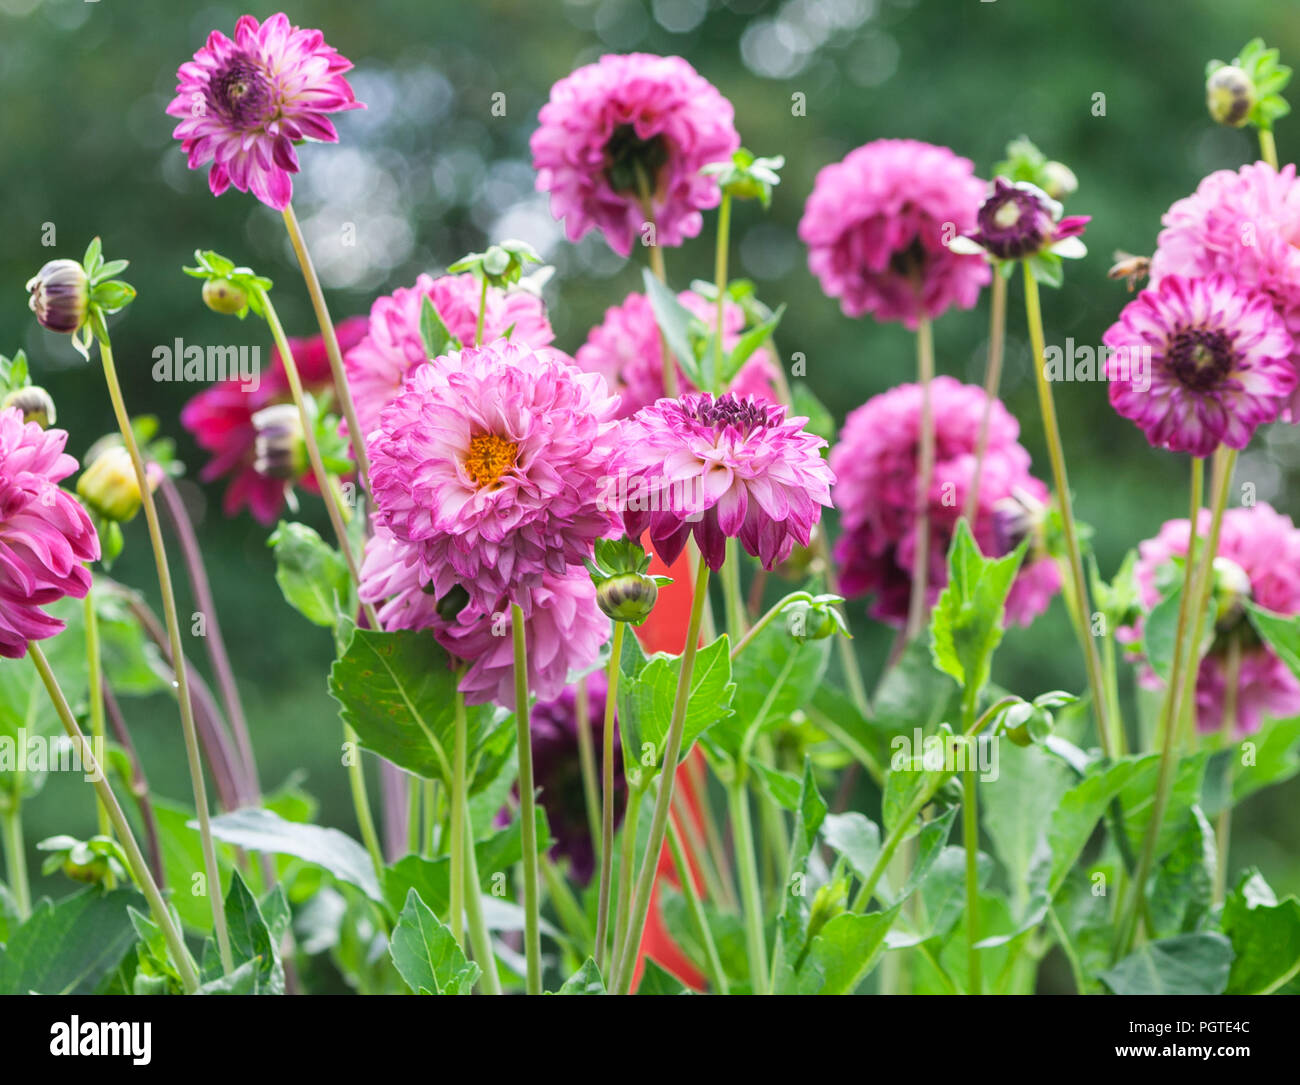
x=1132, y=269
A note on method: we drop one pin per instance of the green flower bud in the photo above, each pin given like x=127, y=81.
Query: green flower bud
x=279, y=450
x=224, y=296
x=60, y=296
x=1229, y=95
x=1059, y=180
x=1231, y=591
x=35, y=403
x=109, y=487
x=627, y=597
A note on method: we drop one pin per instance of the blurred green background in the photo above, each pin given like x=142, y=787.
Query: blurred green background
x=428, y=173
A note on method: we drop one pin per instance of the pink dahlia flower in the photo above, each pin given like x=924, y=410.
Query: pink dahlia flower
x=244, y=103
x=877, y=227
x=876, y=461
x=564, y=628
x=1201, y=363
x=624, y=122
x=626, y=350
x=1265, y=545
x=1244, y=224
x=492, y=464
x=378, y=365
x=721, y=467
x=221, y=419
x=45, y=534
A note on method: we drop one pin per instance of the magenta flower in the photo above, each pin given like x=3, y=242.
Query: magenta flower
x=244, y=103
x=1265, y=545
x=491, y=463
x=221, y=420
x=1244, y=224
x=876, y=463
x=1018, y=220
x=626, y=350
x=721, y=467
x=623, y=123
x=45, y=534
x=1200, y=363
x=564, y=630
x=877, y=227
x=378, y=365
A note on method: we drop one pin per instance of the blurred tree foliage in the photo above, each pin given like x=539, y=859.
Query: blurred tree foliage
x=439, y=164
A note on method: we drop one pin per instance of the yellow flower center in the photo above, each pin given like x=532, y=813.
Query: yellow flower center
x=489, y=458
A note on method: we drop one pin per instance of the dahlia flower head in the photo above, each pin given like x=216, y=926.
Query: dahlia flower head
x=1020, y=220
x=1265, y=545
x=1244, y=224
x=378, y=365
x=244, y=103
x=45, y=534
x=876, y=462
x=626, y=349
x=1200, y=363
x=492, y=464
x=558, y=772
x=877, y=227
x=220, y=418
x=627, y=121
x=564, y=628
x=720, y=467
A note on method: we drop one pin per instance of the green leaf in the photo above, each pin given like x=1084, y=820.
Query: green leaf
x=1265, y=935
x=251, y=939
x=745, y=346
x=437, y=337
x=843, y=954
x=66, y=947
x=1161, y=629
x=398, y=692
x=585, y=981
x=967, y=623
x=1180, y=896
x=336, y=852
x=656, y=980
x=649, y=688
x=805, y=404
x=426, y=955
x=312, y=575
x=1189, y=964
x=792, y=921
x=856, y=838
x=1280, y=631
x=675, y=322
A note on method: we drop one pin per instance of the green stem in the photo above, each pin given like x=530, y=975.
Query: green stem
x=626, y=863
x=696, y=908
x=211, y=870
x=735, y=603
x=751, y=895
x=921, y=561
x=1047, y=406
x=528, y=807
x=992, y=379
x=970, y=837
x=11, y=819
x=135, y=858
x=607, y=801
x=482, y=313
x=587, y=759
x=335, y=355
x=459, y=808
x=95, y=698
x=361, y=800
x=663, y=802
x=414, y=815
x=1267, y=147
x=656, y=258
x=431, y=800
x=1223, y=830
x=720, y=283
x=479, y=937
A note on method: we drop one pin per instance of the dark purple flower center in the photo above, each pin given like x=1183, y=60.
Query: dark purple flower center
x=242, y=93
x=1013, y=223
x=729, y=410
x=1200, y=357
x=634, y=162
